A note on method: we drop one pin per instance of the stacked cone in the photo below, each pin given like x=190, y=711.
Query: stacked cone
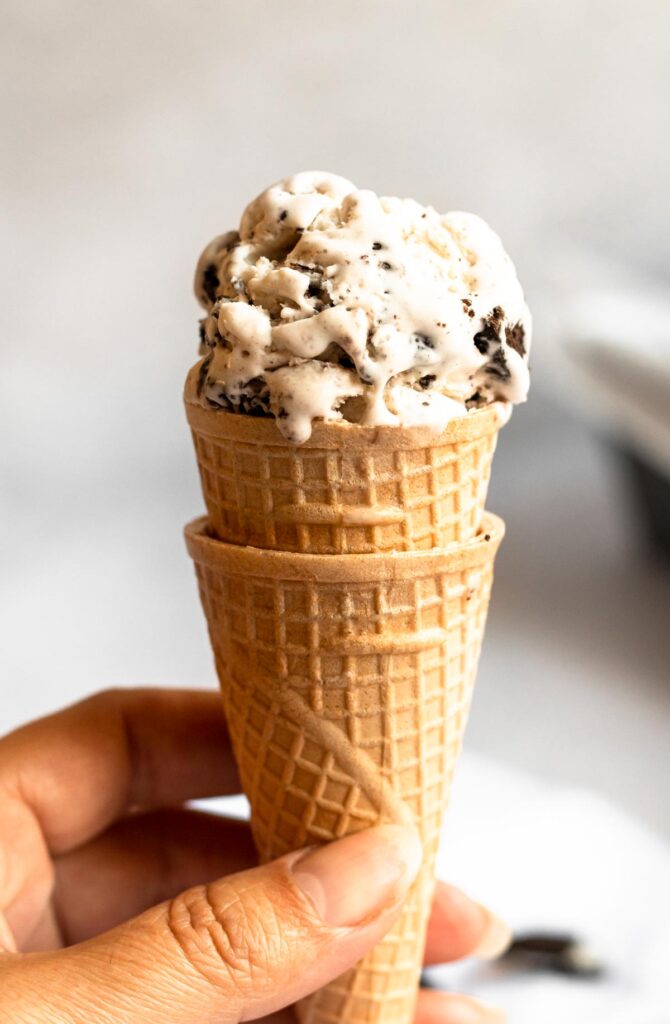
x=346, y=584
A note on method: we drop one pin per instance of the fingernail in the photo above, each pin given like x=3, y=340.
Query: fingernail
x=356, y=878
x=496, y=937
x=468, y=1010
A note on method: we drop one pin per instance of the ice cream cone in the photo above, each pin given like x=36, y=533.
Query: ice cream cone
x=349, y=489
x=346, y=684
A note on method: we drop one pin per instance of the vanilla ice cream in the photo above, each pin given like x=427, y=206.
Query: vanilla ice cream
x=332, y=303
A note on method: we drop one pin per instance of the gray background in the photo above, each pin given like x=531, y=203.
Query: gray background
x=133, y=132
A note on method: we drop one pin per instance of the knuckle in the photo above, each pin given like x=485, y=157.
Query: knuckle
x=109, y=695
x=114, y=700
x=231, y=937
x=104, y=704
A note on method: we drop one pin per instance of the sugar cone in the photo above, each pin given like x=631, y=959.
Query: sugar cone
x=349, y=489
x=346, y=684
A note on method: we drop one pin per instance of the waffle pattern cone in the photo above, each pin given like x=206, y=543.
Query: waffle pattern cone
x=349, y=489
x=347, y=684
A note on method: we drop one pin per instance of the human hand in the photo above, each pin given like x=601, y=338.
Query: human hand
x=119, y=905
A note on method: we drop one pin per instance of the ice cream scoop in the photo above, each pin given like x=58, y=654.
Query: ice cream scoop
x=332, y=303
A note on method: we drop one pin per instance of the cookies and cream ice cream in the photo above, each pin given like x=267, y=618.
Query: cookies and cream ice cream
x=331, y=303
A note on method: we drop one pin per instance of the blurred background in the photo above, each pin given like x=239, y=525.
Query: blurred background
x=134, y=132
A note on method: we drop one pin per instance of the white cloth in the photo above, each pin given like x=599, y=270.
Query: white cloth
x=561, y=859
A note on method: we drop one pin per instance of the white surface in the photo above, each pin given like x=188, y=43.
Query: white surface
x=552, y=858
x=556, y=858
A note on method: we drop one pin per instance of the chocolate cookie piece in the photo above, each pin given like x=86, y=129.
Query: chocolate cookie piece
x=253, y=399
x=202, y=373
x=497, y=366
x=490, y=331
x=515, y=336
x=210, y=282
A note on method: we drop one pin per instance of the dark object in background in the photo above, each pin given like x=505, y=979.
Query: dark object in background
x=562, y=954
x=558, y=953
x=651, y=490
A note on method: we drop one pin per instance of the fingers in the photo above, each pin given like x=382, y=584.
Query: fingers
x=147, y=858
x=444, y=1008
x=7, y=940
x=459, y=927
x=141, y=861
x=241, y=947
x=81, y=769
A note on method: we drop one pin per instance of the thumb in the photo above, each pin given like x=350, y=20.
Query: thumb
x=241, y=947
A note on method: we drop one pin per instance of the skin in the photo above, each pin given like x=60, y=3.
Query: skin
x=109, y=886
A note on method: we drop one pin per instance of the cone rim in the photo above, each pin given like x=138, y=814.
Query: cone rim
x=263, y=430
x=206, y=550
